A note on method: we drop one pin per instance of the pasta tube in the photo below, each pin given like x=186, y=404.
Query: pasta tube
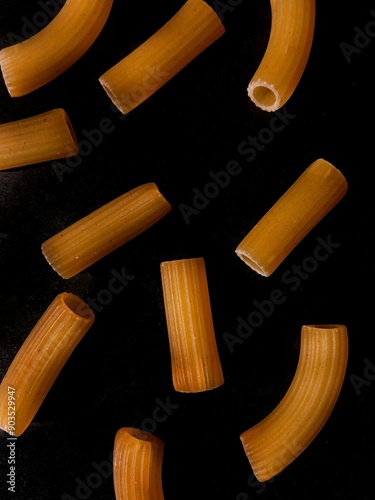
x=290, y=219
x=104, y=230
x=141, y=73
x=137, y=465
x=195, y=360
x=276, y=441
x=32, y=63
x=41, y=358
x=286, y=55
x=43, y=137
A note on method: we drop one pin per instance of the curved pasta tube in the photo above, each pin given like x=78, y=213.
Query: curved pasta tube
x=284, y=434
x=137, y=465
x=31, y=64
x=40, y=359
x=286, y=55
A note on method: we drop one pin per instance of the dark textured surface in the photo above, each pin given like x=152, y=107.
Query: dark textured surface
x=120, y=373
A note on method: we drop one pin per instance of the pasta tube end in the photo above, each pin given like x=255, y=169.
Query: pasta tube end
x=264, y=95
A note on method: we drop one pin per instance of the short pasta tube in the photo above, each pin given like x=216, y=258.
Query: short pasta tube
x=147, y=68
x=40, y=359
x=286, y=55
x=36, y=139
x=196, y=365
x=36, y=61
x=137, y=465
x=320, y=187
x=277, y=440
x=105, y=229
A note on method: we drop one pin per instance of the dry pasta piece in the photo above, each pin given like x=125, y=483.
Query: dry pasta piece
x=39, y=138
x=137, y=465
x=196, y=365
x=104, y=230
x=286, y=55
x=277, y=440
x=40, y=360
x=141, y=73
x=32, y=63
x=320, y=187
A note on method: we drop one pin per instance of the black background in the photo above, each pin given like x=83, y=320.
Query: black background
x=120, y=371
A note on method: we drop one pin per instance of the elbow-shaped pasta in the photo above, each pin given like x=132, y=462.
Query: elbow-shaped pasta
x=195, y=360
x=286, y=55
x=137, y=465
x=136, y=77
x=40, y=360
x=39, y=138
x=104, y=230
x=320, y=187
x=276, y=441
x=32, y=63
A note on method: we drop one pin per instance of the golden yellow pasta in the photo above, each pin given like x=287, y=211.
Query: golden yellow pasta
x=104, y=230
x=196, y=365
x=137, y=465
x=39, y=138
x=141, y=73
x=320, y=187
x=276, y=441
x=286, y=55
x=36, y=61
x=40, y=360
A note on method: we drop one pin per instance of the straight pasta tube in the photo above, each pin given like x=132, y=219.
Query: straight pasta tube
x=287, y=53
x=104, y=230
x=195, y=360
x=137, y=465
x=136, y=77
x=40, y=360
x=290, y=219
x=39, y=138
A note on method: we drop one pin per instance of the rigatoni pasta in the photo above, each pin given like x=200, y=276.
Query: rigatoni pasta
x=276, y=441
x=41, y=358
x=39, y=138
x=105, y=229
x=320, y=187
x=36, y=61
x=141, y=73
x=286, y=55
x=195, y=359
x=137, y=465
